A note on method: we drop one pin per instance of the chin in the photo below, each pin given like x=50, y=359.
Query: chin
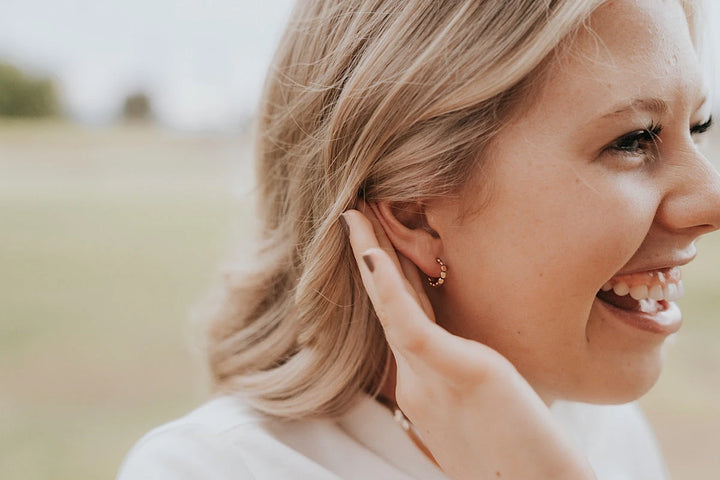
x=624, y=384
x=621, y=381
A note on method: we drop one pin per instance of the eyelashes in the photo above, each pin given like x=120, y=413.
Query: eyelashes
x=639, y=141
x=644, y=142
x=701, y=128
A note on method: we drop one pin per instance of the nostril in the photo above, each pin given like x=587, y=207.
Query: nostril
x=708, y=228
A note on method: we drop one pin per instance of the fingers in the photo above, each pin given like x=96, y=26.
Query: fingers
x=367, y=231
x=406, y=317
x=407, y=327
x=396, y=288
x=362, y=234
x=418, y=343
x=389, y=291
x=412, y=274
x=370, y=211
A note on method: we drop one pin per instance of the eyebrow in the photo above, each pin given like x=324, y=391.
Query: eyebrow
x=652, y=105
x=657, y=106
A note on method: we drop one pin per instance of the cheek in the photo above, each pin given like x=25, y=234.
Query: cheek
x=530, y=265
x=538, y=240
x=621, y=221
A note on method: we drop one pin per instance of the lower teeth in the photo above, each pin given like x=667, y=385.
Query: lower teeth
x=651, y=306
x=626, y=302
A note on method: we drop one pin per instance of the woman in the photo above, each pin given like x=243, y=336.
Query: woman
x=520, y=185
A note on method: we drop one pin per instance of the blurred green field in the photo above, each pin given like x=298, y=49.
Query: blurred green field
x=108, y=239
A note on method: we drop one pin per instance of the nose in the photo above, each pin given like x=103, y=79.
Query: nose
x=692, y=202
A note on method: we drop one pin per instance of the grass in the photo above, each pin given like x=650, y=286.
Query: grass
x=110, y=236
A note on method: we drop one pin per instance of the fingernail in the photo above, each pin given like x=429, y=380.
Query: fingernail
x=369, y=262
x=344, y=225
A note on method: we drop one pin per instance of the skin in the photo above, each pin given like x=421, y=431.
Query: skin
x=477, y=416
x=573, y=204
x=569, y=209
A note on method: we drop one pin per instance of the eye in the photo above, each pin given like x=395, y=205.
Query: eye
x=639, y=142
x=702, y=127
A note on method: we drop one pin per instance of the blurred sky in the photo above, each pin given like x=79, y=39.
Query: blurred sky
x=202, y=61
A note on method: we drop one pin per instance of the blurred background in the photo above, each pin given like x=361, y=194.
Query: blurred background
x=126, y=180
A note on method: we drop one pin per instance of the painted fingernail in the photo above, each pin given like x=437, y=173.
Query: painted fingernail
x=369, y=262
x=344, y=225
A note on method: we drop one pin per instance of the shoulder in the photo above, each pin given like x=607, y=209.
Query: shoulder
x=203, y=444
x=617, y=439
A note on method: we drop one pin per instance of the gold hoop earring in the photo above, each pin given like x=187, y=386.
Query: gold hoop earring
x=437, y=281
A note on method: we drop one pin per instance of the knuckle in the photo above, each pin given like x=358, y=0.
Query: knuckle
x=385, y=295
x=416, y=341
x=492, y=369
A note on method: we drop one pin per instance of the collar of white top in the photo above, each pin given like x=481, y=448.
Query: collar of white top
x=373, y=425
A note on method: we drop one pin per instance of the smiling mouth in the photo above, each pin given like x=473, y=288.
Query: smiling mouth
x=648, y=292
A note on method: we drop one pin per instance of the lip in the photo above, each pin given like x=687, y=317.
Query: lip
x=660, y=265
x=665, y=323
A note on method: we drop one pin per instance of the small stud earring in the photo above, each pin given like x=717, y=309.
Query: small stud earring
x=437, y=281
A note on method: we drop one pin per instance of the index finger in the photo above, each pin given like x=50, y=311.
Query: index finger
x=393, y=298
x=408, y=329
x=375, y=235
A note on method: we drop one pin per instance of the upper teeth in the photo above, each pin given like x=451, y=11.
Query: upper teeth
x=669, y=291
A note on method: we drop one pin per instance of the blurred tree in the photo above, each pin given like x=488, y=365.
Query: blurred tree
x=137, y=107
x=22, y=95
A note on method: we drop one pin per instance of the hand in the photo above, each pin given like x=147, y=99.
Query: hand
x=475, y=412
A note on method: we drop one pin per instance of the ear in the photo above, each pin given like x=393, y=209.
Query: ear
x=407, y=229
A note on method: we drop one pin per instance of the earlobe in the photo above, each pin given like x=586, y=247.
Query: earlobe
x=408, y=231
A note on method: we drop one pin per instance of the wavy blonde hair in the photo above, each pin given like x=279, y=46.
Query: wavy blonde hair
x=395, y=99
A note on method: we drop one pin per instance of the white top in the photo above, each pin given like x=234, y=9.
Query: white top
x=224, y=439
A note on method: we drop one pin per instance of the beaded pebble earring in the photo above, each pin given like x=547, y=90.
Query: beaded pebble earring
x=437, y=281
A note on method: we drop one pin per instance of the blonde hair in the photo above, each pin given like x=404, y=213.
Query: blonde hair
x=395, y=99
